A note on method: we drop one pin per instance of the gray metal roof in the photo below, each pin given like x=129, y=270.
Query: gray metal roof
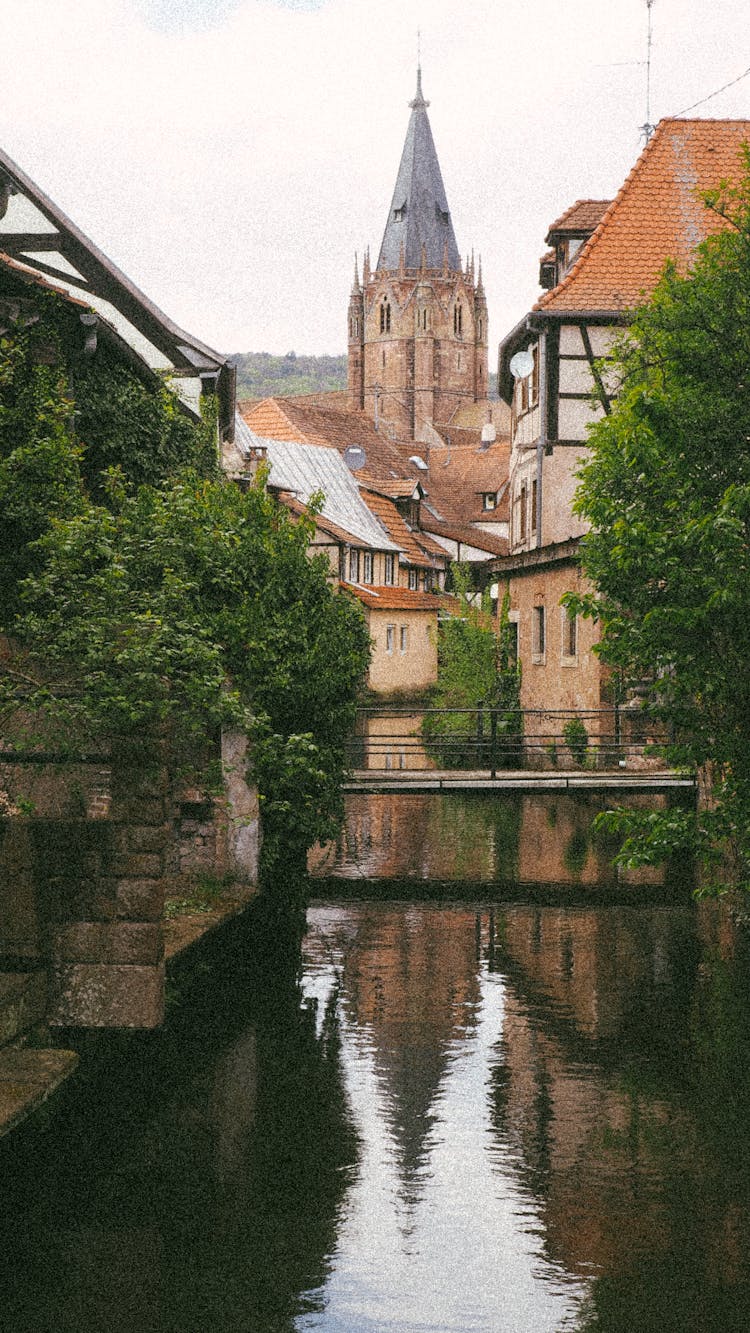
x=419, y=212
x=307, y=468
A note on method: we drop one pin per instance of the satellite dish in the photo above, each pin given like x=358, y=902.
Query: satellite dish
x=521, y=365
x=354, y=457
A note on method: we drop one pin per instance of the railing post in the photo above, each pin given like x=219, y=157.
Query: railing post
x=493, y=743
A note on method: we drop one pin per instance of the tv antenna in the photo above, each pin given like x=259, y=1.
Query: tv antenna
x=648, y=128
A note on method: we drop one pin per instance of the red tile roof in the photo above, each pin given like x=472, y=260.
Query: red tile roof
x=418, y=548
x=298, y=420
x=469, y=535
x=583, y=215
x=657, y=215
x=399, y=599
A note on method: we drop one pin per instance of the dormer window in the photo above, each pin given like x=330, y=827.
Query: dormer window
x=399, y=213
x=489, y=500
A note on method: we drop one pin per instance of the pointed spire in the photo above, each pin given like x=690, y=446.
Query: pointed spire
x=366, y=267
x=355, y=285
x=419, y=214
x=480, y=285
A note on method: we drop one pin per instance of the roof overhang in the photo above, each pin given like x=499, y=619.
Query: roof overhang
x=34, y=231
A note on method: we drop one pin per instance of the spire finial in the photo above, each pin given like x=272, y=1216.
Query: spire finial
x=419, y=100
x=355, y=287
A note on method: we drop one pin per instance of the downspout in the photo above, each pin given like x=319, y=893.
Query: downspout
x=541, y=443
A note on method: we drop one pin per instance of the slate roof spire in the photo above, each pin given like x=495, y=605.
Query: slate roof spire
x=419, y=217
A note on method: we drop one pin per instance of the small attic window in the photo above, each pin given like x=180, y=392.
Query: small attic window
x=399, y=213
x=442, y=215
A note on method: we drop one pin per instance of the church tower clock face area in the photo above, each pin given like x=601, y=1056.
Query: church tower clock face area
x=417, y=327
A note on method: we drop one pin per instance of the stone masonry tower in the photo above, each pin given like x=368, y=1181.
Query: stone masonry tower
x=418, y=322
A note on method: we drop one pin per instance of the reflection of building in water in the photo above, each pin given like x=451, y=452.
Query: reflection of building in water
x=410, y=835
x=410, y=983
x=584, y=1091
x=538, y=838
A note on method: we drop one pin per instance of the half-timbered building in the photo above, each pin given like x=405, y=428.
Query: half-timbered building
x=604, y=259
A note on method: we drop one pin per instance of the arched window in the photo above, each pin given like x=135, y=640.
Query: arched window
x=479, y=330
x=458, y=320
x=385, y=317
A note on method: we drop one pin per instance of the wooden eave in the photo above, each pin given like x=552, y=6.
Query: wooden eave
x=98, y=276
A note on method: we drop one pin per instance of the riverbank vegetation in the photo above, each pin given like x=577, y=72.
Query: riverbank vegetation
x=477, y=674
x=142, y=593
x=667, y=493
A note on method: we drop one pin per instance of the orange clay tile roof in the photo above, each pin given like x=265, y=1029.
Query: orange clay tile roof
x=302, y=422
x=583, y=215
x=657, y=215
x=469, y=535
x=399, y=599
x=458, y=478
x=410, y=541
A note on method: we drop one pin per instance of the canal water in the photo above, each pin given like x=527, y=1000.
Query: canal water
x=507, y=1091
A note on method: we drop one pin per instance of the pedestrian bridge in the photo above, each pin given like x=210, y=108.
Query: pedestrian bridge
x=434, y=780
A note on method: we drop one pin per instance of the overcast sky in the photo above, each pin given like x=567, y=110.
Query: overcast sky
x=232, y=155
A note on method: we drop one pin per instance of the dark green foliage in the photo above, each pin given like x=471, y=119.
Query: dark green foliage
x=156, y=597
x=667, y=492
x=576, y=738
x=475, y=667
x=125, y=422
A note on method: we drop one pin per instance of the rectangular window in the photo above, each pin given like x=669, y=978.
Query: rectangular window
x=353, y=565
x=535, y=375
x=367, y=567
x=538, y=633
x=570, y=634
x=390, y=637
x=414, y=579
x=522, y=520
x=403, y=638
x=533, y=504
x=489, y=500
x=512, y=640
x=388, y=570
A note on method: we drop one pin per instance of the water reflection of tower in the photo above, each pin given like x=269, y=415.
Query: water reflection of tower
x=412, y=986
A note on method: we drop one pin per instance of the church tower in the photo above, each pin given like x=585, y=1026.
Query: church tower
x=418, y=321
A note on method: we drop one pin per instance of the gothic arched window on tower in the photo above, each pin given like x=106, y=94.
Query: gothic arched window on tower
x=479, y=331
x=385, y=317
x=458, y=320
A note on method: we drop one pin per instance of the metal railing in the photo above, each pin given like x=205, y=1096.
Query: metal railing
x=491, y=739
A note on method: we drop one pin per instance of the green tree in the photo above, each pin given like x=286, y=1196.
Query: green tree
x=667, y=493
x=156, y=597
x=476, y=665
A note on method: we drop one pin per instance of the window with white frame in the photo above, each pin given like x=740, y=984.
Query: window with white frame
x=388, y=569
x=414, y=579
x=367, y=567
x=489, y=500
x=390, y=638
x=403, y=639
x=353, y=565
